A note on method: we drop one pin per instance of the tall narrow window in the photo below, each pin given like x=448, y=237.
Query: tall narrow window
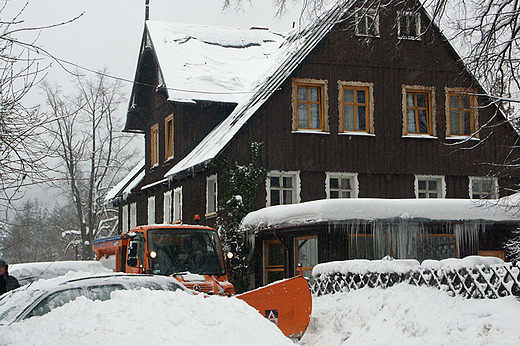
x=282, y=188
x=367, y=22
x=151, y=210
x=306, y=250
x=154, y=145
x=211, y=194
x=167, y=212
x=309, y=102
x=124, y=219
x=461, y=108
x=133, y=215
x=355, y=107
x=430, y=187
x=408, y=25
x=418, y=110
x=483, y=187
x=341, y=185
x=177, y=205
x=273, y=261
x=168, y=135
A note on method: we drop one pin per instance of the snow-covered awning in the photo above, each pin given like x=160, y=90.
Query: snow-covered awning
x=125, y=186
x=372, y=209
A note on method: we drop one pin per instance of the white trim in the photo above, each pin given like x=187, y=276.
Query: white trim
x=362, y=14
x=417, y=16
x=212, y=179
x=441, y=189
x=354, y=184
x=124, y=219
x=494, y=186
x=296, y=184
x=167, y=207
x=177, y=205
x=133, y=215
x=151, y=210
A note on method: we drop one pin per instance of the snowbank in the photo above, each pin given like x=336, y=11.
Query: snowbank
x=411, y=315
x=148, y=318
x=362, y=266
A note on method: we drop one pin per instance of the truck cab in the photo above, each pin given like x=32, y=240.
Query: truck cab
x=190, y=253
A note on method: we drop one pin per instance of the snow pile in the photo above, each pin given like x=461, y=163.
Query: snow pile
x=411, y=315
x=378, y=209
x=148, y=318
x=363, y=266
x=28, y=272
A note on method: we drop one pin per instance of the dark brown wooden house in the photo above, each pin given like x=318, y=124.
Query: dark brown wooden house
x=362, y=103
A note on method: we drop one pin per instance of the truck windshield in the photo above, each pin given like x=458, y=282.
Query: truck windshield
x=185, y=250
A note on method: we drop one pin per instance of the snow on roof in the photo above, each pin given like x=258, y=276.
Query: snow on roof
x=124, y=187
x=277, y=67
x=28, y=272
x=211, y=63
x=371, y=209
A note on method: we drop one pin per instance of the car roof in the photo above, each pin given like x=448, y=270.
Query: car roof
x=21, y=298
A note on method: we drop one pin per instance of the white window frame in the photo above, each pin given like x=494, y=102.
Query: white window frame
x=494, y=186
x=295, y=189
x=441, y=189
x=151, y=210
x=124, y=219
x=354, y=185
x=417, y=17
x=133, y=215
x=211, y=195
x=177, y=205
x=167, y=207
x=362, y=15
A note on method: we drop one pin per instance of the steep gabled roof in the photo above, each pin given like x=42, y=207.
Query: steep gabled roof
x=281, y=64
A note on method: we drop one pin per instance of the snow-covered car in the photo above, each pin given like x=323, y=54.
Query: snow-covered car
x=43, y=296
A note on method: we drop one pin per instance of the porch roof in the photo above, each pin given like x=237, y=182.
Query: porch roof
x=373, y=209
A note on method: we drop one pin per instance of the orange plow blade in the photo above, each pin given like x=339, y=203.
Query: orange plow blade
x=287, y=303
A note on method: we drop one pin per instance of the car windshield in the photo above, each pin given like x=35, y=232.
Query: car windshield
x=185, y=250
x=14, y=302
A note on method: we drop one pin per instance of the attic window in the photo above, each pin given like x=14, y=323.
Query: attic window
x=309, y=104
x=367, y=22
x=408, y=25
x=168, y=135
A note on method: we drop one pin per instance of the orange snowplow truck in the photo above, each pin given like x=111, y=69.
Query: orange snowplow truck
x=194, y=256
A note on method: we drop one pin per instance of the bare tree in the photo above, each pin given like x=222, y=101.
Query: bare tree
x=22, y=154
x=91, y=153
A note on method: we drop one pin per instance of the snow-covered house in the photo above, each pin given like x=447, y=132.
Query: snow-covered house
x=362, y=103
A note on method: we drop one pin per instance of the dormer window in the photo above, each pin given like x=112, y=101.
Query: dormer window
x=154, y=145
x=367, y=22
x=408, y=25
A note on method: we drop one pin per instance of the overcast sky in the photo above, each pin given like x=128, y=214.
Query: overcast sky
x=109, y=32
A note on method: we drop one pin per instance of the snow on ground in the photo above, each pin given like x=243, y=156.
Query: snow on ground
x=400, y=315
x=148, y=318
x=411, y=315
